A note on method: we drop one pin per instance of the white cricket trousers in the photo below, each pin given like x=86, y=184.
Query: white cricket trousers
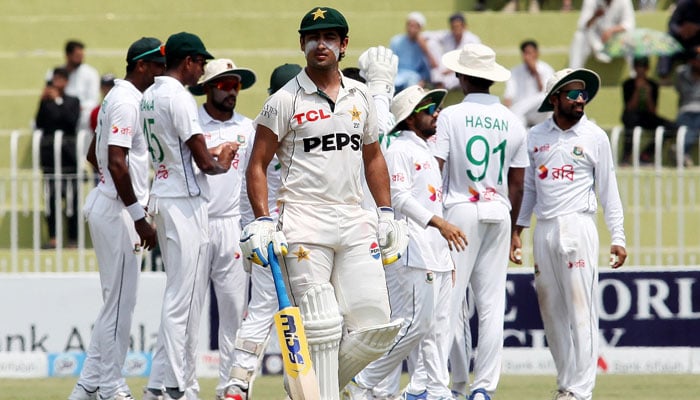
x=113, y=237
x=483, y=267
x=566, y=279
x=411, y=298
x=428, y=361
x=230, y=283
x=182, y=226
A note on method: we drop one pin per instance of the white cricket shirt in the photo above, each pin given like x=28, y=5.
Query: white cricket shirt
x=320, y=143
x=480, y=140
x=565, y=169
x=169, y=118
x=225, y=189
x=416, y=193
x=118, y=124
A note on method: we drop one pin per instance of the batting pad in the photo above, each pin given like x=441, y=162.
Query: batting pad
x=363, y=346
x=323, y=326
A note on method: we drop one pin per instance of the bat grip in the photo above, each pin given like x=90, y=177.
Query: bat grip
x=280, y=288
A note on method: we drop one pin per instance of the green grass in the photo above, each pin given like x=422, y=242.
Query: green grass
x=511, y=387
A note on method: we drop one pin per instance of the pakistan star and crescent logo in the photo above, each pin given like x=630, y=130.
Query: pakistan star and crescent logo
x=319, y=14
x=302, y=254
x=355, y=113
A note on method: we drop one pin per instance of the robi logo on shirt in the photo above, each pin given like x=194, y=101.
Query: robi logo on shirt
x=374, y=250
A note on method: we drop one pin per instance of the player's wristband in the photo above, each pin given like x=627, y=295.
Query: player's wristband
x=136, y=211
x=385, y=210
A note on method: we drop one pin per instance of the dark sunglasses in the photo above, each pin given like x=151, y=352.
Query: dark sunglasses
x=228, y=85
x=428, y=109
x=573, y=95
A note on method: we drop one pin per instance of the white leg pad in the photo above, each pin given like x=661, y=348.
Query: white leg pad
x=363, y=346
x=323, y=326
x=243, y=377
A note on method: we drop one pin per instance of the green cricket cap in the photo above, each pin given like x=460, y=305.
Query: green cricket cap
x=146, y=49
x=183, y=44
x=281, y=75
x=323, y=18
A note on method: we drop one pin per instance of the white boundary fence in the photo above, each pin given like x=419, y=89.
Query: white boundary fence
x=662, y=213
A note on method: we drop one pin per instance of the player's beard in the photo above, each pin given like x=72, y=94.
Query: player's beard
x=571, y=112
x=224, y=105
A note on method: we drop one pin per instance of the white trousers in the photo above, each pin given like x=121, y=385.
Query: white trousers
x=566, y=279
x=230, y=284
x=113, y=236
x=428, y=361
x=182, y=226
x=483, y=267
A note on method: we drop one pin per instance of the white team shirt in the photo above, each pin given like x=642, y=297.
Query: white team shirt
x=118, y=124
x=565, y=168
x=225, y=189
x=320, y=147
x=169, y=118
x=416, y=193
x=618, y=12
x=273, y=185
x=480, y=140
x=523, y=85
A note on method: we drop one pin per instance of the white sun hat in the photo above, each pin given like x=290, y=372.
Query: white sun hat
x=475, y=59
x=223, y=67
x=403, y=104
x=590, y=80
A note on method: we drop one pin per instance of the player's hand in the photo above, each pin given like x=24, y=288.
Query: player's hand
x=393, y=235
x=146, y=233
x=379, y=65
x=257, y=235
x=225, y=153
x=618, y=255
x=456, y=239
x=516, y=249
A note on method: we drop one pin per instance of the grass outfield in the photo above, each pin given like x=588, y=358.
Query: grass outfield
x=511, y=387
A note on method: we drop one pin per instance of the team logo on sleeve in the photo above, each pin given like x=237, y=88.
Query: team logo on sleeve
x=374, y=250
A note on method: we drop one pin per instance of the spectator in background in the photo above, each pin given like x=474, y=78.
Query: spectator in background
x=106, y=83
x=59, y=111
x=688, y=87
x=684, y=26
x=445, y=41
x=598, y=22
x=415, y=60
x=641, y=95
x=83, y=81
x=525, y=88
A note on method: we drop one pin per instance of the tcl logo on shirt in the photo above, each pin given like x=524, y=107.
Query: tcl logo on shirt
x=333, y=142
x=311, y=116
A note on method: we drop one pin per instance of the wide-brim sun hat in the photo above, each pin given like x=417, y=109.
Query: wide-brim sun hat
x=478, y=60
x=222, y=67
x=403, y=104
x=590, y=80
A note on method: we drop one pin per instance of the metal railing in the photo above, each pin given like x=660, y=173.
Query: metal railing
x=662, y=213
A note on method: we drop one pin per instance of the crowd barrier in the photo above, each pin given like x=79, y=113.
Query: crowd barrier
x=660, y=200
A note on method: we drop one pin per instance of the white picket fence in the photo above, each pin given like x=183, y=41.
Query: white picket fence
x=662, y=213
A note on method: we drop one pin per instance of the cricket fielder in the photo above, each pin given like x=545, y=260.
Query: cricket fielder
x=179, y=205
x=323, y=129
x=117, y=218
x=420, y=283
x=481, y=150
x=221, y=83
x=570, y=165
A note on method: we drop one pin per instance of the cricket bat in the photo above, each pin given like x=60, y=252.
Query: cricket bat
x=301, y=377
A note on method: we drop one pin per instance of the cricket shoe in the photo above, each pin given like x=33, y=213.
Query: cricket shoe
x=235, y=392
x=80, y=392
x=564, y=395
x=353, y=391
x=152, y=394
x=405, y=395
x=479, y=394
x=458, y=395
x=119, y=396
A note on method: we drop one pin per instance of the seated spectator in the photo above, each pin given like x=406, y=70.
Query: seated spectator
x=525, y=89
x=59, y=111
x=688, y=86
x=443, y=41
x=599, y=21
x=641, y=95
x=415, y=61
x=684, y=26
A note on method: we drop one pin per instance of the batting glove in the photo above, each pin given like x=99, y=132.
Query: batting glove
x=257, y=235
x=379, y=65
x=393, y=235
